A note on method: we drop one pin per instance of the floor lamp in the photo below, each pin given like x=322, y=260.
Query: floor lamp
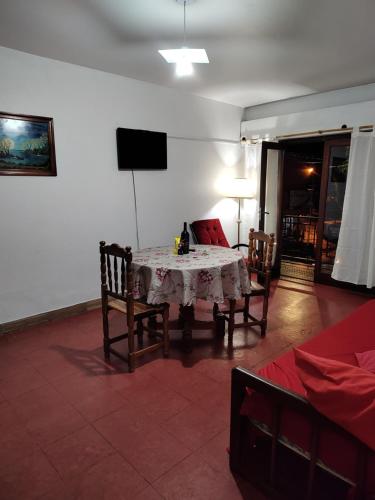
x=239, y=188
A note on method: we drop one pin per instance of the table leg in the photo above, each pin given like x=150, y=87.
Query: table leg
x=232, y=309
x=220, y=325
x=187, y=317
x=215, y=310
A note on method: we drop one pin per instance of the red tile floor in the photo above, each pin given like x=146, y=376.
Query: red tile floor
x=74, y=427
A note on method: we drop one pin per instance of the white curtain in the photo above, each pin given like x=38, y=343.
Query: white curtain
x=355, y=254
x=251, y=172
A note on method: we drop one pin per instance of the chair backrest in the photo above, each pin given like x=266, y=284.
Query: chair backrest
x=261, y=247
x=116, y=273
x=209, y=232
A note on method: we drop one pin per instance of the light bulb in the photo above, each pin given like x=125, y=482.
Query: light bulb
x=184, y=67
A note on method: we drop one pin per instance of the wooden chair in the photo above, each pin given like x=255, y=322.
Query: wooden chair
x=118, y=295
x=259, y=267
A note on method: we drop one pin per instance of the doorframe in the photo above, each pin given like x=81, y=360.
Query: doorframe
x=266, y=146
x=282, y=145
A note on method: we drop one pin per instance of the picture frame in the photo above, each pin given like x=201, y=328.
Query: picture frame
x=27, y=145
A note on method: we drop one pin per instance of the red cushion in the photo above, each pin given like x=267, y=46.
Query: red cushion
x=342, y=392
x=366, y=360
x=355, y=333
x=209, y=232
x=283, y=372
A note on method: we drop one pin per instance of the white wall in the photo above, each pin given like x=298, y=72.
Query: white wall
x=352, y=115
x=309, y=115
x=311, y=102
x=50, y=227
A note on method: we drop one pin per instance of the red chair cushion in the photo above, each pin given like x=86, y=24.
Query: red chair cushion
x=342, y=392
x=209, y=232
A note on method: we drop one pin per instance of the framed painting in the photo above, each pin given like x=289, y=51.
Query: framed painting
x=27, y=145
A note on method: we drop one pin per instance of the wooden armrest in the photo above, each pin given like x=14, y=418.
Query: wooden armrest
x=280, y=397
x=242, y=378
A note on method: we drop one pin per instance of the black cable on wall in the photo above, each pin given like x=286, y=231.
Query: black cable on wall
x=135, y=209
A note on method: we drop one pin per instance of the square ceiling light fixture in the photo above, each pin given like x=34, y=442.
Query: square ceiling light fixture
x=184, y=57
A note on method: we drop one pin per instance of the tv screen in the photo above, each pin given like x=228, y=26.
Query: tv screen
x=141, y=149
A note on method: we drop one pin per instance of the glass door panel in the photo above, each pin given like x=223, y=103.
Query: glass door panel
x=272, y=200
x=335, y=168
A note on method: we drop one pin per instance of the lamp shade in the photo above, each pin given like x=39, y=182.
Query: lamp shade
x=239, y=187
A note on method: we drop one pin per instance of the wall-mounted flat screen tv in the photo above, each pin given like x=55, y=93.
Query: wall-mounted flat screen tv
x=141, y=149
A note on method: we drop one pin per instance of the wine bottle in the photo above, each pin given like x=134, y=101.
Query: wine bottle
x=185, y=239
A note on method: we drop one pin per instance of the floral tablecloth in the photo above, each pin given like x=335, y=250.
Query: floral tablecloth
x=211, y=273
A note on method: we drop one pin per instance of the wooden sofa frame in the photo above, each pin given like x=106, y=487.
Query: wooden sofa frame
x=282, y=398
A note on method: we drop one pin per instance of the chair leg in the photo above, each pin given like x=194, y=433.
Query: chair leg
x=246, y=309
x=106, y=344
x=131, y=357
x=166, y=332
x=140, y=332
x=152, y=324
x=180, y=321
x=263, y=327
x=232, y=308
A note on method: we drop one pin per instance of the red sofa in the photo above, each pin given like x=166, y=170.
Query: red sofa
x=272, y=404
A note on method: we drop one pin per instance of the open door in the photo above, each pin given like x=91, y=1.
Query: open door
x=332, y=193
x=270, y=198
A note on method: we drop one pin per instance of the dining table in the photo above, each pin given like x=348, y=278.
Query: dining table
x=207, y=272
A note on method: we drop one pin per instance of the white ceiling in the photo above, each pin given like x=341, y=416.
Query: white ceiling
x=259, y=50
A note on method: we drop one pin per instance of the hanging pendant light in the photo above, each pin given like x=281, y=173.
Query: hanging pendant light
x=184, y=57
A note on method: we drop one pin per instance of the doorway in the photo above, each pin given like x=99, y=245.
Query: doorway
x=301, y=200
